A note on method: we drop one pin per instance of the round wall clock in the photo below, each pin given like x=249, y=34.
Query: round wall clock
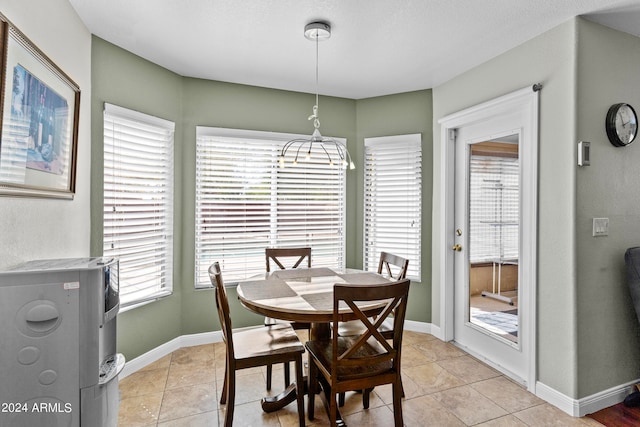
x=621, y=124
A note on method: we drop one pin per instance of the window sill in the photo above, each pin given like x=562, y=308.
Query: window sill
x=151, y=299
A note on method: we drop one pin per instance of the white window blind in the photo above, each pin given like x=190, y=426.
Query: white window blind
x=494, y=208
x=138, y=202
x=245, y=203
x=393, y=200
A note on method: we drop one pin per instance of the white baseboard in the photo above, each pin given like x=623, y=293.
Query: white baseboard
x=437, y=332
x=167, y=348
x=586, y=405
x=410, y=325
x=557, y=399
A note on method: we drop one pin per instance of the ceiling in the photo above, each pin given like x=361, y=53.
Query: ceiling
x=377, y=47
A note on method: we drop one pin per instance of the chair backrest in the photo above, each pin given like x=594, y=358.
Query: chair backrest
x=276, y=255
x=222, y=305
x=387, y=261
x=364, y=352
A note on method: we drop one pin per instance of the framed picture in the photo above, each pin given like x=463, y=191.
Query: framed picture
x=39, y=110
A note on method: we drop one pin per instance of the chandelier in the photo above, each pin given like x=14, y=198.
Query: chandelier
x=317, y=31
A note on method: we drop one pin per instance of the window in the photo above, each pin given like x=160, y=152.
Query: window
x=392, y=200
x=245, y=203
x=138, y=202
x=494, y=206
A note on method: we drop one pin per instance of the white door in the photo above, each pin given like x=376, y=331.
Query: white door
x=492, y=238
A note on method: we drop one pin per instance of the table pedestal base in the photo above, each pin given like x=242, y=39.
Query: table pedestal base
x=318, y=331
x=275, y=403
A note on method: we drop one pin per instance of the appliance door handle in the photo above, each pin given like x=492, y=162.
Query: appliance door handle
x=42, y=313
x=42, y=318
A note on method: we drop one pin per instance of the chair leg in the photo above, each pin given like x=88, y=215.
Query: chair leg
x=269, y=374
x=311, y=389
x=231, y=399
x=365, y=397
x=333, y=409
x=287, y=375
x=341, y=399
x=300, y=390
x=397, y=403
x=223, y=396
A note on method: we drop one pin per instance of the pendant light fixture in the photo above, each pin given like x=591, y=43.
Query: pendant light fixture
x=317, y=31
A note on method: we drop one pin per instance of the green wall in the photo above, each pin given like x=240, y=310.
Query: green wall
x=124, y=79
x=405, y=113
x=607, y=327
x=549, y=59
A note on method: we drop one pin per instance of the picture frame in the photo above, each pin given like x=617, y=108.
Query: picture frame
x=39, y=113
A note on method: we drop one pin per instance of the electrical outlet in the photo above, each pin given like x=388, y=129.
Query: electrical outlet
x=600, y=227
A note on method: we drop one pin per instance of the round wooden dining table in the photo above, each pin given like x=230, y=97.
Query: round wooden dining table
x=303, y=295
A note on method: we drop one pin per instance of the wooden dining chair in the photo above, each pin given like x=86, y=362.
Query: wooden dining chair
x=276, y=256
x=395, y=268
x=363, y=361
x=295, y=257
x=254, y=347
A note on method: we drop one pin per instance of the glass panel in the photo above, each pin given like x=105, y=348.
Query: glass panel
x=494, y=241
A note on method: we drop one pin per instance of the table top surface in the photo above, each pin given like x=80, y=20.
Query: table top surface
x=302, y=294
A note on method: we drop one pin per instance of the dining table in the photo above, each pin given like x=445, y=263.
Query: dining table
x=303, y=295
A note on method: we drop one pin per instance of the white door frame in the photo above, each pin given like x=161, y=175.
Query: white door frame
x=524, y=98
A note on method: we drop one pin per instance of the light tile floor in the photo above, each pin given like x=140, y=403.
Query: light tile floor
x=443, y=387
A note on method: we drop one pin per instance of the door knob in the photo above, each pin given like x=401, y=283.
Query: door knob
x=457, y=248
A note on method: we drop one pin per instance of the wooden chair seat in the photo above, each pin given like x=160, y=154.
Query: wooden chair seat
x=256, y=343
x=322, y=352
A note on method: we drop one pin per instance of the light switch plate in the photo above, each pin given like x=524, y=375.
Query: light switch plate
x=600, y=227
x=584, y=153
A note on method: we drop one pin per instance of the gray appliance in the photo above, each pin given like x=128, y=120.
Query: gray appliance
x=58, y=360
